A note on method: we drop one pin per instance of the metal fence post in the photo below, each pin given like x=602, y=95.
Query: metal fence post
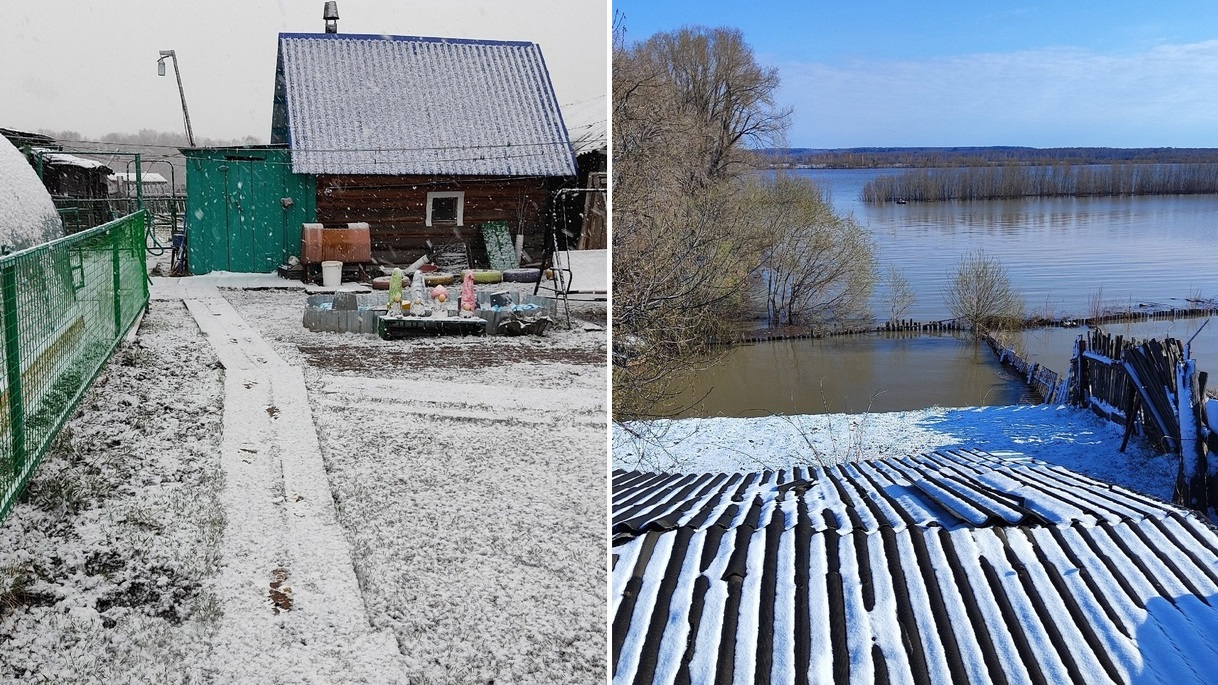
x=12, y=366
x=118, y=293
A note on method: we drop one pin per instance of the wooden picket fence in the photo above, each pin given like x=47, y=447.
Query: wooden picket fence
x=1150, y=387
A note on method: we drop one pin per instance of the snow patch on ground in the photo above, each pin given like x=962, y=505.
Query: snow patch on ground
x=1074, y=438
x=106, y=563
x=469, y=478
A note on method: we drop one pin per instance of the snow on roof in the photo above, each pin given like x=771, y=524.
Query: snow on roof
x=148, y=177
x=946, y=567
x=588, y=124
x=363, y=104
x=64, y=159
x=27, y=214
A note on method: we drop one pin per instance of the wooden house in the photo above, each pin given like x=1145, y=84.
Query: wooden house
x=424, y=139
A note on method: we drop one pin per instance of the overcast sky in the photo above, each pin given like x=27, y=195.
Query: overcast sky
x=1048, y=73
x=91, y=66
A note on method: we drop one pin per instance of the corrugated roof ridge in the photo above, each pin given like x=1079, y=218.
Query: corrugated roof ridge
x=421, y=39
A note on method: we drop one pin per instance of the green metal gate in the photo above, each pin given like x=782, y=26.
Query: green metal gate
x=244, y=208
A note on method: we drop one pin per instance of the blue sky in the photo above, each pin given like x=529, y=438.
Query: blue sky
x=1042, y=74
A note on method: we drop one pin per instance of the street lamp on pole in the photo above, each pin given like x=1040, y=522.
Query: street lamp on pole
x=160, y=70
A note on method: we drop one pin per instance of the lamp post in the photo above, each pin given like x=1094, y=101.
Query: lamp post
x=160, y=70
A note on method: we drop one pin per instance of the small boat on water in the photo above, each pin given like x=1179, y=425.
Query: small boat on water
x=900, y=200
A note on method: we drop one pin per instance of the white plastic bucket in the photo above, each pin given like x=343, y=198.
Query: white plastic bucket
x=331, y=274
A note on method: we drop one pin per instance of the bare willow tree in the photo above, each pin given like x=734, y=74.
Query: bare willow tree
x=683, y=102
x=981, y=294
x=900, y=296
x=715, y=80
x=816, y=266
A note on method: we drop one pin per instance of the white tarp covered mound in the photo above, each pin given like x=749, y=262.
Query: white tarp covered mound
x=27, y=215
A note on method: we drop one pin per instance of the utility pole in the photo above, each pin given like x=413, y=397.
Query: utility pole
x=190, y=136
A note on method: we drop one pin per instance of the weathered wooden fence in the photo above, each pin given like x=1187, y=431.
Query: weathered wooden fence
x=1050, y=386
x=836, y=330
x=1154, y=389
x=1151, y=388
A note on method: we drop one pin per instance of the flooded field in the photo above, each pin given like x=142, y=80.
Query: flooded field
x=1150, y=250
x=883, y=372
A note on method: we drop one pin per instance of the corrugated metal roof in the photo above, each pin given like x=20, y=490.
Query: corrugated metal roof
x=956, y=567
x=588, y=124
x=360, y=104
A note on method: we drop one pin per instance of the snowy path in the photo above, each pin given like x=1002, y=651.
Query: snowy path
x=469, y=476
x=281, y=526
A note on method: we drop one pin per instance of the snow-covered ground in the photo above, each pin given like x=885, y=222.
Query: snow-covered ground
x=1074, y=438
x=106, y=563
x=469, y=476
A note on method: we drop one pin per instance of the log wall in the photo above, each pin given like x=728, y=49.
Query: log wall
x=395, y=208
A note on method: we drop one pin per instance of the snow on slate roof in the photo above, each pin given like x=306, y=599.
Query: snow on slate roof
x=588, y=123
x=362, y=104
x=147, y=177
x=64, y=159
x=958, y=567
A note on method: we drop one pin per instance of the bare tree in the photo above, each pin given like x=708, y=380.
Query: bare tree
x=980, y=294
x=682, y=251
x=816, y=266
x=900, y=296
x=716, y=81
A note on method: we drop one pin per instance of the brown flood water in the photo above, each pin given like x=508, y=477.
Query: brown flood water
x=883, y=372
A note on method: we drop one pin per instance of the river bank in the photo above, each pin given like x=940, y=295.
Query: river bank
x=1068, y=437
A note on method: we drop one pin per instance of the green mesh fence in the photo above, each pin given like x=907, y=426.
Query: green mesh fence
x=64, y=306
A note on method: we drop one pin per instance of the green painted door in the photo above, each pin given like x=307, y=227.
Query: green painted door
x=245, y=209
x=254, y=216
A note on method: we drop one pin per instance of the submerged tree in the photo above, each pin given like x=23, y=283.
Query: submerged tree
x=816, y=266
x=981, y=295
x=900, y=296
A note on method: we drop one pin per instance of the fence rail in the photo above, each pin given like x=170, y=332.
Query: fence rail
x=164, y=212
x=64, y=306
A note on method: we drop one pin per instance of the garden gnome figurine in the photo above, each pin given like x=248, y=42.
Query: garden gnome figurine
x=418, y=293
x=467, y=294
x=395, y=292
x=439, y=295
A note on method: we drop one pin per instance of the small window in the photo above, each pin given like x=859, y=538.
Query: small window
x=446, y=208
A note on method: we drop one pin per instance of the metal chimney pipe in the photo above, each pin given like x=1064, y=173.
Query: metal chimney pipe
x=330, y=14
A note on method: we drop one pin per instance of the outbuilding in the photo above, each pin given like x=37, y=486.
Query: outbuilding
x=424, y=139
x=427, y=140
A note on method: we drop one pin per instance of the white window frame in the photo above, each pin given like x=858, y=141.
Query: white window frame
x=460, y=195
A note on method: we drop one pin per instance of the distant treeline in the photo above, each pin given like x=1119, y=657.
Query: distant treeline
x=928, y=157
x=1008, y=182
x=146, y=137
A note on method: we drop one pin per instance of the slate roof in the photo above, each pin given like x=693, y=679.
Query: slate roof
x=364, y=104
x=953, y=567
x=64, y=159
